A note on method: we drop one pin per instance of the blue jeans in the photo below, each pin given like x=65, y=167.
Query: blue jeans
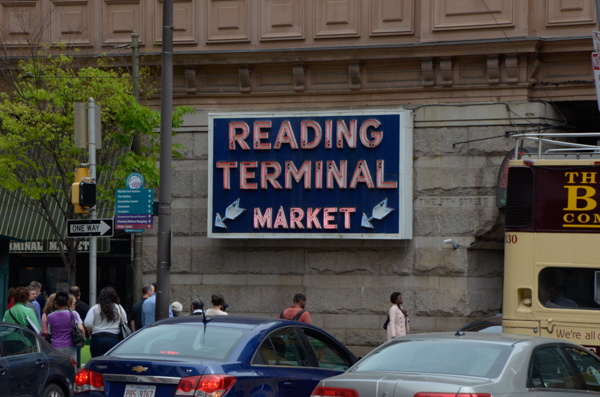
x=100, y=345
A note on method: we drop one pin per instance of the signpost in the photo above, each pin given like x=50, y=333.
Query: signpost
x=134, y=210
x=90, y=228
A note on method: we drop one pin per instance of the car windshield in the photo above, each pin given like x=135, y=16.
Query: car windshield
x=183, y=340
x=439, y=357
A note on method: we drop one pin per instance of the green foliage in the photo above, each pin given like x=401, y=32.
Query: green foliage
x=37, y=152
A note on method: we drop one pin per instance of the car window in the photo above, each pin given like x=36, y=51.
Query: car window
x=588, y=368
x=14, y=343
x=31, y=342
x=329, y=354
x=438, y=357
x=184, y=340
x=283, y=347
x=549, y=369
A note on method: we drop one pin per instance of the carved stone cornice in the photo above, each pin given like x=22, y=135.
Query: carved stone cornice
x=244, y=73
x=354, y=73
x=493, y=69
x=512, y=70
x=447, y=72
x=427, y=72
x=299, y=77
x=535, y=66
x=190, y=80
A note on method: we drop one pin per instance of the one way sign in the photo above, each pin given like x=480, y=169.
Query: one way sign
x=90, y=228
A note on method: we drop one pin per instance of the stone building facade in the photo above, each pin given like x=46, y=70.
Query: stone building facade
x=470, y=70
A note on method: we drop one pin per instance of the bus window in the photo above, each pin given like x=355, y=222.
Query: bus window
x=597, y=288
x=569, y=288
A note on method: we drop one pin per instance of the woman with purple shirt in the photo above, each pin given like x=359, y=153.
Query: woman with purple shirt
x=59, y=325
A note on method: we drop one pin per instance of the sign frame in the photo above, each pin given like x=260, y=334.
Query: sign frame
x=108, y=221
x=403, y=209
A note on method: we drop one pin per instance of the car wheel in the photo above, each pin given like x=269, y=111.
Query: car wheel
x=53, y=390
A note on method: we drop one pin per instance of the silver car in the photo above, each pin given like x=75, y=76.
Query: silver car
x=469, y=365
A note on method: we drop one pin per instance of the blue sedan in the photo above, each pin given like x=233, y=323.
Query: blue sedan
x=240, y=356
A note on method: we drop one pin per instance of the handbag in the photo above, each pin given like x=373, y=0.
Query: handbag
x=125, y=330
x=385, y=325
x=76, y=336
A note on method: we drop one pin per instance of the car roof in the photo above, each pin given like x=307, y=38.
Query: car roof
x=498, y=338
x=244, y=322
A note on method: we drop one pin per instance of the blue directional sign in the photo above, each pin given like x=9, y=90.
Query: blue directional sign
x=330, y=174
x=134, y=209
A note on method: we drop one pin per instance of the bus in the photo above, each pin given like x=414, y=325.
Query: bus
x=552, y=240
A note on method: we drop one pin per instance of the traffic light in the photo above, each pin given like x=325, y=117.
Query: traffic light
x=83, y=194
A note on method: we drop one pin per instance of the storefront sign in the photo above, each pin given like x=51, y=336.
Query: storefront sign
x=45, y=246
x=344, y=174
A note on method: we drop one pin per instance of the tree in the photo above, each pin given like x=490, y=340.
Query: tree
x=37, y=152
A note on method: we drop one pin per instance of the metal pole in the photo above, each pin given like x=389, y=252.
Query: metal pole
x=163, y=282
x=92, y=162
x=137, y=148
x=598, y=13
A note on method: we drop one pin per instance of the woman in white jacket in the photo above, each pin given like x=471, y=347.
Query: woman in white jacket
x=398, y=325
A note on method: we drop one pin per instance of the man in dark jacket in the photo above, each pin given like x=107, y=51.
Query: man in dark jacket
x=136, y=310
x=80, y=306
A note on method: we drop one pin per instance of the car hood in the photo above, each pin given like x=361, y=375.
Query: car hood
x=401, y=384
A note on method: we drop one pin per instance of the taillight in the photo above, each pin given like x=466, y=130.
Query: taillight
x=321, y=391
x=87, y=380
x=212, y=385
x=432, y=394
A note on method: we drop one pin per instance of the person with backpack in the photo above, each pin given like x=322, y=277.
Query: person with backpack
x=297, y=312
x=397, y=323
x=20, y=313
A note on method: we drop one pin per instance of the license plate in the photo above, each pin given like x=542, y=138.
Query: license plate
x=139, y=391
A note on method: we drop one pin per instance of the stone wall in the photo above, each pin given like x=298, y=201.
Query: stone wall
x=348, y=282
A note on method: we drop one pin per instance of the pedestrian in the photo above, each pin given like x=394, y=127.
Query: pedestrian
x=39, y=296
x=136, y=310
x=11, y=298
x=60, y=324
x=149, y=310
x=398, y=324
x=102, y=322
x=218, y=301
x=80, y=306
x=20, y=313
x=177, y=308
x=33, y=303
x=196, y=307
x=48, y=308
x=296, y=311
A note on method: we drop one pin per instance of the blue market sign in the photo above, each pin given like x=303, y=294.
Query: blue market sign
x=338, y=174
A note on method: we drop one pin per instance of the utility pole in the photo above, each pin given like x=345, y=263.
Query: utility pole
x=92, y=166
x=163, y=269
x=137, y=148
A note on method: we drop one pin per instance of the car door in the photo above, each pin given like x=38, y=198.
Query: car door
x=288, y=363
x=330, y=356
x=587, y=367
x=551, y=374
x=28, y=367
x=4, y=374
